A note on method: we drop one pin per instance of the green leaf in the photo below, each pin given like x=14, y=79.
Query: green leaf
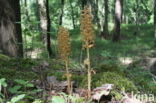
x=21, y=82
x=15, y=89
x=58, y=99
x=3, y=83
x=37, y=101
x=29, y=85
x=24, y=83
x=17, y=98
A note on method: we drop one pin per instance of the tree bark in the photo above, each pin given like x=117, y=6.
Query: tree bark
x=10, y=31
x=43, y=21
x=43, y=10
x=48, y=30
x=26, y=10
x=155, y=19
x=94, y=5
x=105, y=26
x=15, y=4
x=137, y=17
x=118, y=17
x=97, y=20
x=61, y=12
x=72, y=14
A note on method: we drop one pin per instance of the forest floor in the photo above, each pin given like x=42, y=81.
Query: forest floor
x=129, y=65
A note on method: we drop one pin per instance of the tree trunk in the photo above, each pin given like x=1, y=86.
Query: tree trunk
x=61, y=13
x=118, y=16
x=43, y=21
x=155, y=19
x=48, y=30
x=137, y=17
x=105, y=26
x=97, y=20
x=43, y=9
x=72, y=14
x=10, y=33
x=15, y=4
x=94, y=5
x=26, y=11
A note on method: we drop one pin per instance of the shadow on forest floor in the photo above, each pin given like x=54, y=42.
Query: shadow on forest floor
x=131, y=45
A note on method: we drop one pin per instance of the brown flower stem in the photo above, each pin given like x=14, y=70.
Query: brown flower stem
x=68, y=78
x=89, y=73
x=88, y=41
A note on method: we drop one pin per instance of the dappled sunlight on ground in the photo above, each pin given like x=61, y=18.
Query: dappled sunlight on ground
x=34, y=54
x=125, y=60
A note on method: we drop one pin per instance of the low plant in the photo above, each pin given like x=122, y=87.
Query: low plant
x=21, y=90
x=23, y=87
x=3, y=99
x=64, y=98
x=87, y=36
x=64, y=52
x=16, y=98
x=3, y=84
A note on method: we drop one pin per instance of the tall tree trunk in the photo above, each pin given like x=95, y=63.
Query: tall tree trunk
x=137, y=17
x=10, y=32
x=43, y=21
x=43, y=9
x=155, y=19
x=97, y=20
x=105, y=26
x=27, y=25
x=118, y=17
x=94, y=5
x=48, y=30
x=72, y=13
x=15, y=4
x=61, y=12
x=26, y=10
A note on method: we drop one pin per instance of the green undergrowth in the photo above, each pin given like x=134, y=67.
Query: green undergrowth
x=110, y=67
x=129, y=79
x=142, y=79
x=14, y=68
x=119, y=82
x=11, y=74
x=4, y=57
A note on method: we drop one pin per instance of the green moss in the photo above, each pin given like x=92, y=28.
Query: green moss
x=142, y=79
x=59, y=75
x=78, y=79
x=11, y=74
x=23, y=64
x=56, y=64
x=4, y=60
x=18, y=63
x=120, y=82
x=109, y=67
x=4, y=57
x=150, y=87
x=26, y=75
x=15, y=68
x=7, y=73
